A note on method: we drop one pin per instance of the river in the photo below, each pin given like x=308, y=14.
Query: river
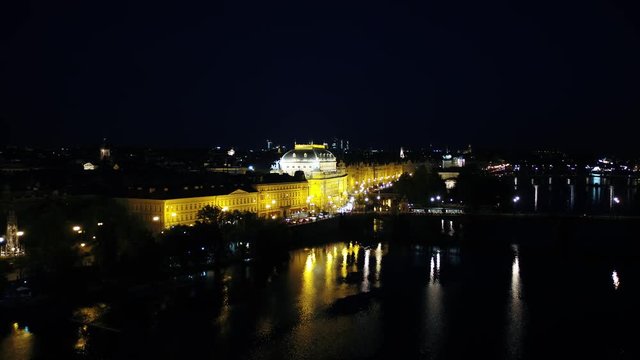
x=350, y=300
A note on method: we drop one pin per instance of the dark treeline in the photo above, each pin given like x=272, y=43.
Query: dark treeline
x=417, y=188
x=474, y=188
x=76, y=245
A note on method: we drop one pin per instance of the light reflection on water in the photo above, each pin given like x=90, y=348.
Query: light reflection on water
x=515, y=312
x=324, y=330
x=365, y=271
x=327, y=306
x=434, y=308
x=18, y=345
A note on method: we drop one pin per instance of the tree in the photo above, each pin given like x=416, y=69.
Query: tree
x=209, y=215
x=417, y=188
x=477, y=189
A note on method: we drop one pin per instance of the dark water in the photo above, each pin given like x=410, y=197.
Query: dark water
x=592, y=194
x=388, y=299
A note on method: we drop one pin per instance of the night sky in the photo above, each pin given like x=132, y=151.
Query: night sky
x=491, y=73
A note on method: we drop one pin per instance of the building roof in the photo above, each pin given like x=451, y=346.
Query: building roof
x=184, y=192
x=308, y=153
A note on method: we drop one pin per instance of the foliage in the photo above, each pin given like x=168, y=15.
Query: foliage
x=477, y=189
x=420, y=186
x=117, y=242
x=209, y=215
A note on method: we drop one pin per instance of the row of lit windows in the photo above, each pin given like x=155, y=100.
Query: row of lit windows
x=283, y=187
x=242, y=201
x=198, y=206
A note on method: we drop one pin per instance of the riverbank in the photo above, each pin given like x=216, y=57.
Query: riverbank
x=467, y=231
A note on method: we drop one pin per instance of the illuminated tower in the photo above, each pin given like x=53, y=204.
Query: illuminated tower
x=401, y=153
x=105, y=152
x=12, y=248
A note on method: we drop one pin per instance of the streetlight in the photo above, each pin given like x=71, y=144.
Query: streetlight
x=76, y=228
x=20, y=233
x=515, y=201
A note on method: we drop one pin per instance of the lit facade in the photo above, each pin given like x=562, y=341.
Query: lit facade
x=268, y=200
x=327, y=182
x=309, y=158
x=369, y=174
x=159, y=214
x=326, y=187
x=281, y=199
x=327, y=192
x=449, y=161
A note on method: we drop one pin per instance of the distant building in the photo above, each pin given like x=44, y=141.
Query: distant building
x=305, y=179
x=105, y=152
x=327, y=183
x=308, y=158
x=10, y=244
x=164, y=209
x=450, y=178
x=449, y=161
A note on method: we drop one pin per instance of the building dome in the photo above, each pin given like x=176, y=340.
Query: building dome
x=308, y=158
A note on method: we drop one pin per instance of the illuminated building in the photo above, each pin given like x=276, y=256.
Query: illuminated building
x=324, y=187
x=281, y=199
x=159, y=212
x=10, y=244
x=450, y=178
x=327, y=181
x=449, y=161
x=272, y=199
x=105, y=152
x=309, y=158
x=365, y=175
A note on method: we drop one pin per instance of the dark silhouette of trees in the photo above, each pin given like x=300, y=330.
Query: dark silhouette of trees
x=477, y=189
x=420, y=186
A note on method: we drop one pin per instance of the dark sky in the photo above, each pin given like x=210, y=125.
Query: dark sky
x=503, y=73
